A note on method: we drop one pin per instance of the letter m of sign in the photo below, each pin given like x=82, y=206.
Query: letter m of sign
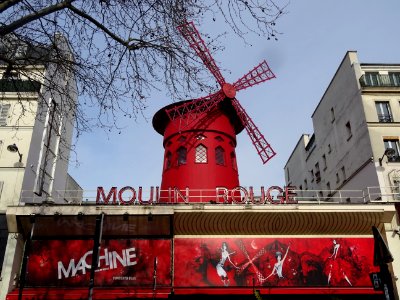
x=101, y=197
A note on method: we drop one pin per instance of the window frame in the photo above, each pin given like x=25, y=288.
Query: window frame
x=372, y=78
x=383, y=116
x=220, y=156
x=168, y=160
x=181, y=156
x=198, y=155
x=394, y=78
x=393, y=144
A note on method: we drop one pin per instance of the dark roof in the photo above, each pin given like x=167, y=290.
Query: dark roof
x=161, y=120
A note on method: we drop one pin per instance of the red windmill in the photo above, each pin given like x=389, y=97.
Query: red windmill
x=191, y=128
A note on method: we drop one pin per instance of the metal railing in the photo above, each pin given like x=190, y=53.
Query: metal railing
x=241, y=195
x=385, y=118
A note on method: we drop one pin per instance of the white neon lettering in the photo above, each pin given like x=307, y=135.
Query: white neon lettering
x=109, y=259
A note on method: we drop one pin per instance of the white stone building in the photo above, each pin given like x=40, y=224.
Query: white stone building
x=346, y=159
x=357, y=119
x=35, y=137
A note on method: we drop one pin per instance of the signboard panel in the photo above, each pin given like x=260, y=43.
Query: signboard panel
x=291, y=262
x=121, y=263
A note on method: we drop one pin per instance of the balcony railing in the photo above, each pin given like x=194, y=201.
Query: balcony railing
x=385, y=118
x=379, y=80
x=395, y=158
x=388, y=194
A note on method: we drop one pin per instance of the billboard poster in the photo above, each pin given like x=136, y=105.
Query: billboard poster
x=273, y=262
x=121, y=263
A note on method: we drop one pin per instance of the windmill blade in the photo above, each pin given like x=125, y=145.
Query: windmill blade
x=188, y=111
x=264, y=150
x=259, y=74
x=190, y=33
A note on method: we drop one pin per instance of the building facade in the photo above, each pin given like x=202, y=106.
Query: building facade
x=243, y=243
x=35, y=138
x=353, y=156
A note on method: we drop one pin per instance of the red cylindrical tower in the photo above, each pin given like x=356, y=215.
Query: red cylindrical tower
x=201, y=155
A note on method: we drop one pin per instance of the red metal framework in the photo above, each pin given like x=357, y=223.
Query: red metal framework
x=188, y=111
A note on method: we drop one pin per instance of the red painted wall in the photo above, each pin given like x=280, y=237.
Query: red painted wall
x=211, y=131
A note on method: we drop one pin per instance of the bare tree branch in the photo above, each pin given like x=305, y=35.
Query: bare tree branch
x=121, y=50
x=7, y=4
x=33, y=16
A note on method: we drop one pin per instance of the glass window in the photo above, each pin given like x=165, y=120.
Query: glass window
x=383, y=111
x=201, y=154
x=168, y=159
x=393, y=144
x=182, y=156
x=372, y=78
x=220, y=156
x=394, y=78
x=4, y=108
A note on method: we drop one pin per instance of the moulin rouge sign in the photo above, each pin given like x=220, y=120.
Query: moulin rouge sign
x=221, y=195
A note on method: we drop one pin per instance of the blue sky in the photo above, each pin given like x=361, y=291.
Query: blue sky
x=315, y=37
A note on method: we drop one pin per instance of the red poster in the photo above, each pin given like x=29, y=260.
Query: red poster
x=121, y=263
x=296, y=262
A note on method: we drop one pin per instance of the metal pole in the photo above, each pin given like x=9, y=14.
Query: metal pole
x=27, y=247
x=155, y=277
x=95, y=255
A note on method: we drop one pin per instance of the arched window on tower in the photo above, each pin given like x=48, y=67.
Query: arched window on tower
x=167, y=161
x=182, y=155
x=219, y=139
x=233, y=160
x=220, y=156
x=201, y=154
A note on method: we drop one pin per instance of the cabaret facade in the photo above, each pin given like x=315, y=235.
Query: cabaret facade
x=200, y=234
